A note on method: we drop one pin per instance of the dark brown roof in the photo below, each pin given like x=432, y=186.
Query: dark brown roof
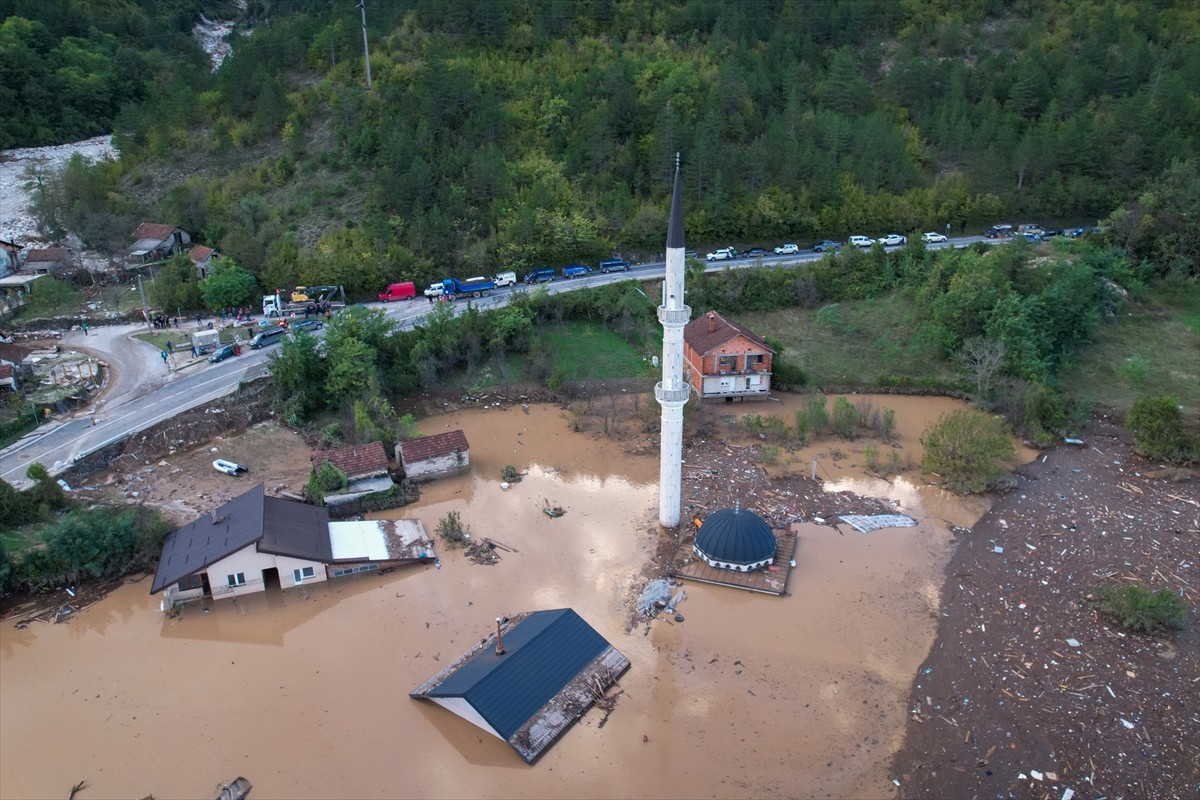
x=49, y=254
x=200, y=252
x=6, y=371
x=154, y=230
x=360, y=461
x=280, y=527
x=703, y=340
x=16, y=353
x=435, y=446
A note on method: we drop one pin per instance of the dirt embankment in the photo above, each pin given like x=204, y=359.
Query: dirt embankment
x=1028, y=690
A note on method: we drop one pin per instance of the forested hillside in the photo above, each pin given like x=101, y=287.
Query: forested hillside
x=523, y=132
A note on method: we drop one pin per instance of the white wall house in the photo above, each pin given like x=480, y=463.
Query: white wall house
x=434, y=456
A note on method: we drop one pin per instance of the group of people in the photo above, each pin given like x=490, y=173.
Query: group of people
x=318, y=310
x=163, y=322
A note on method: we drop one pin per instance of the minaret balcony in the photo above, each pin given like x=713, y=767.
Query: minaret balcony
x=680, y=396
x=674, y=316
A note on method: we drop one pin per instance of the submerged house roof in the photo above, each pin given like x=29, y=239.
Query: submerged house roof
x=358, y=461
x=275, y=526
x=435, y=446
x=537, y=688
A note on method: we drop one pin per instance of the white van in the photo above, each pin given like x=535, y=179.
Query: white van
x=505, y=279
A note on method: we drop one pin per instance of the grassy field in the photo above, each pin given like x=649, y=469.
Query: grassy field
x=590, y=352
x=861, y=343
x=1153, y=348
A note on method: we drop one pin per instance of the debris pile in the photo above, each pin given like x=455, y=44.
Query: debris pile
x=1029, y=691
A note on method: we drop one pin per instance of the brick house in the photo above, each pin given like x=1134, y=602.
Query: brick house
x=723, y=359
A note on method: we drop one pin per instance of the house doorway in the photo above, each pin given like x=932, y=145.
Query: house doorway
x=205, y=586
x=271, y=580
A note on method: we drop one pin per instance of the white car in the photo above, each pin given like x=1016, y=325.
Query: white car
x=861, y=241
x=933, y=238
x=722, y=254
x=435, y=290
x=786, y=250
x=891, y=240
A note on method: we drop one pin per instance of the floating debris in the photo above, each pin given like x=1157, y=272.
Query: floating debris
x=866, y=524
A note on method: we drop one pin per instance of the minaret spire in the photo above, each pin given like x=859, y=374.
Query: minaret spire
x=672, y=392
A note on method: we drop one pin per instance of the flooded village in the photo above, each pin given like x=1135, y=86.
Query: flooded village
x=305, y=690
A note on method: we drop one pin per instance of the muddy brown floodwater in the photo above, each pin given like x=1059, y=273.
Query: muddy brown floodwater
x=305, y=692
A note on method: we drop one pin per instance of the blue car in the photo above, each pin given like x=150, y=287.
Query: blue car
x=575, y=271
x=228, y=351
x=825, y=246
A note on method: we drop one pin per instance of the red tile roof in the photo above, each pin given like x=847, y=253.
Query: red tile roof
x=710, y=331
x=435, y=446
x=60, y=254
x=360, y=461
x=154, y=230
x=200, y=252
x=15, y=353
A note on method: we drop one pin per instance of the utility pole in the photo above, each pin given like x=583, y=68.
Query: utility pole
x=362, y=6
x=145, y=308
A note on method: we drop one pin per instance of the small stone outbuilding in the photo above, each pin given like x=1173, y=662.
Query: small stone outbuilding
x=434, y=456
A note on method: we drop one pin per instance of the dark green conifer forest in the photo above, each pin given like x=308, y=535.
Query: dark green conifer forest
x=526, y=132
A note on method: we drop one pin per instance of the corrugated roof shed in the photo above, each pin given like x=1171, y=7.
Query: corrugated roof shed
x=435, y=446
x=281, y=527
x=48, y=255
x=359, y=461
x=154, y=230
x=540, y=686
x=16, y=353
x=712, y=330
x=200, y=252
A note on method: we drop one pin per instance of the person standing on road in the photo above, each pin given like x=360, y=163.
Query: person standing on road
x=84, y=326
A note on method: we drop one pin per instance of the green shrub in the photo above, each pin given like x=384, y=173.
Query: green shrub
x=871, y=456
x=1157, y=427
x=451, y=530
x=970, y=450
x=1137, y=608
x=509, y=474
x=845, y=418
x=818, y=415
x=769, y=454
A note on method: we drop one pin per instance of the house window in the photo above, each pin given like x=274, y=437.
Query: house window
x=756, y=362
x=190, y=582
x=302, y=574
x=237, y=579
x=727, y=363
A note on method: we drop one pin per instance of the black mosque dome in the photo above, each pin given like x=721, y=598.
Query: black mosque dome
x=734, y=538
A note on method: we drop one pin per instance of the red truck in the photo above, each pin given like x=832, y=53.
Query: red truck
x=398, y=291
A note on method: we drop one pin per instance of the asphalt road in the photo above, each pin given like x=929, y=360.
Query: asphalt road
x=147, y=393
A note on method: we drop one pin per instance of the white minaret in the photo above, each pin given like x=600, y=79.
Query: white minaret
x=672, y=392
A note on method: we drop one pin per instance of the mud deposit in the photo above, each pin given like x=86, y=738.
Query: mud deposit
x=305, y=692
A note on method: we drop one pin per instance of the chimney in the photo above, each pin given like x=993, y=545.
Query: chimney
x=712, y=322
x=499, y=638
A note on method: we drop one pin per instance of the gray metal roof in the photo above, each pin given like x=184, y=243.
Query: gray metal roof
x=280, y=527
x=533, y=692
x=736, y=536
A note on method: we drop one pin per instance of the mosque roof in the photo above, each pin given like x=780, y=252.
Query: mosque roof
x=736, y=536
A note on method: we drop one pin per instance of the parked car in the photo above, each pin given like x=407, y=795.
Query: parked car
x=826, y=246
x=398, y=291
x=614, y=265
x=755, y=252
x=576, y=271
x=306, y=325
x=892, y=240
x=1046, y=234
x=504, y=279
x=435, y=290
x=933, y=237
x=540, y=275
x=998, y=231
x=229, y=467
x=1074, y=233
x=861, y=241
x=722, y=254
x=227, y=351
x=1031, y=227
x=787, y=250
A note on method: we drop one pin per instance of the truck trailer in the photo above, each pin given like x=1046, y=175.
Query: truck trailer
x=321, y=299
x=475, y=287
